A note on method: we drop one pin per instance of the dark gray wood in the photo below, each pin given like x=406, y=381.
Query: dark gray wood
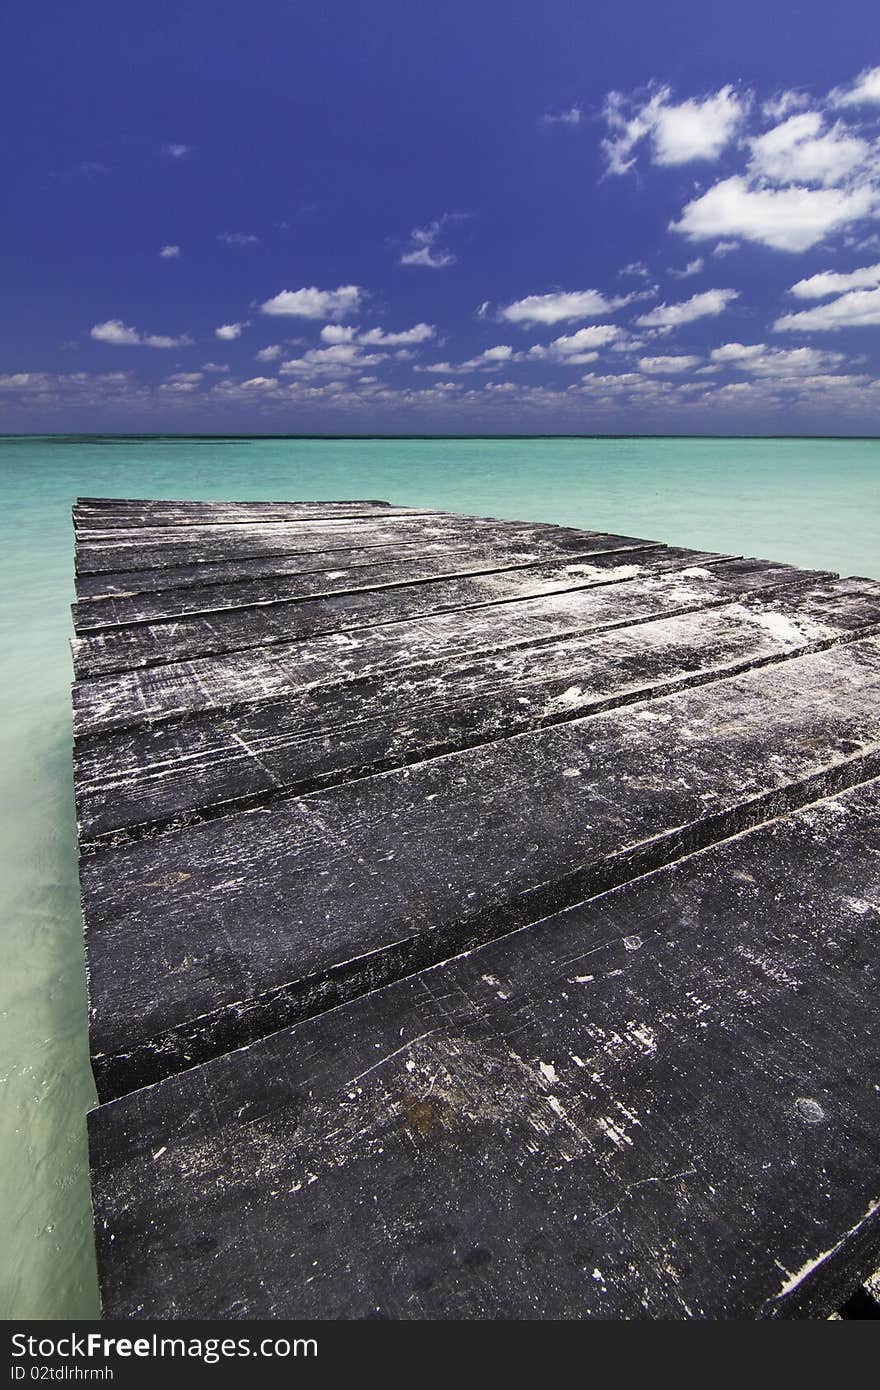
x=221, y=932
x=91, y=615
x=94, y=518
x=180, y=771
x=237, y=628
x=506, y=548
x=238, y=678
x=488, y=787
x=146, y=550
x=659, y=1104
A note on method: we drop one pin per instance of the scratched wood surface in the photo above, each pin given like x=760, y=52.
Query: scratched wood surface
x=660, y=1103
x=323, y=748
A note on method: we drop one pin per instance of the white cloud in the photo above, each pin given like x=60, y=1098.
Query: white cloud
x=709, y=304
x=122, y=335
x=117, y=332
x=238, y=238
x=678, y=133
x=215, y=367
x=724, y=248
x=800, y=150
x=786, y=219
x=763, y=361
x=337, y=333
x=636, y=268
x=664, y=366
x=693, y=267
x=419, y=333
x=269, y=354
x=833, y=282
x=783, y=104
x=312, y=303
x=492, y=356
x=338, y=360
x=228, y=332
x=557, y=308
x=737, y=352
x=490, y=359
x=423, y=249
x=577, y=349
x=573, y=116
x=177, y=151
x=855, y=309
x=865, y=91
x=169, y=253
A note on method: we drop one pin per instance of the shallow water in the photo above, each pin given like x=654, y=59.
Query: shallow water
x=812, y=502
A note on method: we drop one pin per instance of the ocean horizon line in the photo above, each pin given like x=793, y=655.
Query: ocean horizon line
x=128, y=437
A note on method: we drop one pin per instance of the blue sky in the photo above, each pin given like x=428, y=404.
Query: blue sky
x=407, y=217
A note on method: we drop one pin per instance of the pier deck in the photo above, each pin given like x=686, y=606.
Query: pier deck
x=480, y=917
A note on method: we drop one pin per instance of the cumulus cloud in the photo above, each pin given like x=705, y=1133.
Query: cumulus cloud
x=709, y=304
x=834, y=282
x=865, y=91
x=122, y=335
x=228, y=332
x=312, y=303
x=786, y=219
x=419, y=333
x=802, y=150
x=562, y=306
x=177, y=151
x=490, y=359
x=804, y=168
x=665, y=366
x=423, y=248
x=269, y=354
x=338, y=360
x=737, y=352
x=693, y=267
x=576, y=349
x=760, y=360
x=238, y=238
x=169, y=253
x=855, y=309
x=675, y=132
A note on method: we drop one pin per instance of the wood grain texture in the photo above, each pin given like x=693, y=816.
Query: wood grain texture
x=502, y=894
x=659, y=1104
x=238, y=628
x=239, y=925
x=237, y=678
x=185, y=770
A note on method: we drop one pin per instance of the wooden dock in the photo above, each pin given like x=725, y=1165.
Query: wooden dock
x=481, y=917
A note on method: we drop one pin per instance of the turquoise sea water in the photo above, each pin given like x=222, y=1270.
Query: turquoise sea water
x=813, y=502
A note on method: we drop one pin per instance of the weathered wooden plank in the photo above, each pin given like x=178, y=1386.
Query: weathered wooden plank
x=525, y=546
x=119, y=516
x=236, y=679
x=281, y=538
x=190, y=769
x=658, y=1104
x=91, y=615
x=242, y=530
x=200, y=940
x=237, y=629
